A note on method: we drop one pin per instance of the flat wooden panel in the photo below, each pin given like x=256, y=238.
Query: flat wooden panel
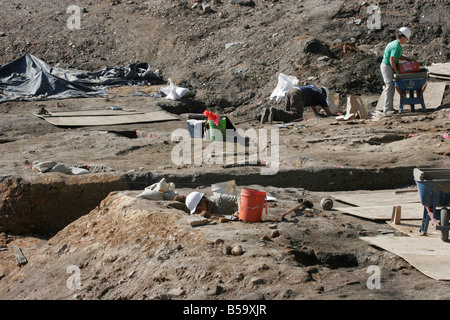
x=412, y=228
x=440, y=69
x=92, y=113
x=410, y=211
x=429, y=255
x=105, y=120
x=376, y=198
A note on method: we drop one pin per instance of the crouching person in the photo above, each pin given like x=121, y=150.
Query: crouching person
x=220, y=204
x=297, y=99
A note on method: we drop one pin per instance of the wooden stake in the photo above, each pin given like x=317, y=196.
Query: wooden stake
x=396, y=214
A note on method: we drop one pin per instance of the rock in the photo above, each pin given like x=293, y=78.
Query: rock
x=198, y=221
x=216, y=290
x=175, y=293
x=257, y=281
x=275, y=234
x=227, y=250
x=237, y=250
x=176, y=247
x=247, y=3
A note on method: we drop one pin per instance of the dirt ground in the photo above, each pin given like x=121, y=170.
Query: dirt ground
x=131, y=248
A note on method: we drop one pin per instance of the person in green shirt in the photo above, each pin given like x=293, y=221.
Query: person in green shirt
x=220, y=204
x=389, y=65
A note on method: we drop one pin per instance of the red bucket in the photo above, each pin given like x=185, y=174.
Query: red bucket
x=251, y=205
x=409, y=67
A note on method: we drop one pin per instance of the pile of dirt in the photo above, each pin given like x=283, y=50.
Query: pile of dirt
x=130, y=248
x=229, y=54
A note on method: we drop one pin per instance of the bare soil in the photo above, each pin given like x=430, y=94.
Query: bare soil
x=131, y=248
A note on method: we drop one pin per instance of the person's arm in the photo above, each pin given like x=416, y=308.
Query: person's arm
x=393, y=65
x=327, y=111
x=324, y=104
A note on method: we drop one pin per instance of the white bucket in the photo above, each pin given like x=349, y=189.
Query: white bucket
x=227, y=187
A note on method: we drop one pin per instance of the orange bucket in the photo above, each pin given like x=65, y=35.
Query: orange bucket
x=251, y=205
x=409, y=67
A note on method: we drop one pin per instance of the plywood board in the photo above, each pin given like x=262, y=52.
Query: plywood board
x=432, y=96
x=429, y=255
x=382, y=197
x=440, y=69
x=106, y=120
x=410, y=211
x=91, y=113
x=412, y=228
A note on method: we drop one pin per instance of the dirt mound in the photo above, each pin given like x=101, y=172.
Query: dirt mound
x=130, y=248
x=228, y=53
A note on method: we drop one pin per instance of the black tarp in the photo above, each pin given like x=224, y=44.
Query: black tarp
x=30, y=78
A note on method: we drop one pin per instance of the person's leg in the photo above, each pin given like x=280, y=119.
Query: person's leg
x=295, y=103
x=388, y=78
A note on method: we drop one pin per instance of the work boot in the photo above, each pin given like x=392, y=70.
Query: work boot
x=265, y=115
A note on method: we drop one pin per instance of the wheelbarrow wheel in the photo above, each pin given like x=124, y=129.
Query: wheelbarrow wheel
x=445, y=216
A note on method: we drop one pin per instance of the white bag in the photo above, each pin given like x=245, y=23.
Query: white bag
x=173, y=92
x=285, y=82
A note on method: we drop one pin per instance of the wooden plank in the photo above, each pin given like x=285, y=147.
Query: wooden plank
x=412, y=228
x=91, y=113
x=429, y=255
x=381, y=197
x=82, y=121
x=410, y=211
x=440, y=68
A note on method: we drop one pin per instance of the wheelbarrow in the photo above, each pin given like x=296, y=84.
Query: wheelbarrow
x=434, y=191
x=411, y=87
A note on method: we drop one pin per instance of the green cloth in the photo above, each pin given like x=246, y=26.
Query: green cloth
x=393, y=49
x=224, y=204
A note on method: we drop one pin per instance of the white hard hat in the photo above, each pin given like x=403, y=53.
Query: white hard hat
x=193, y=199
x=405, y=31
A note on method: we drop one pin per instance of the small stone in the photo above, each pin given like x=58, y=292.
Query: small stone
x=257, y=281
x=227, y=250
x=174, y=293
x=273, y=226
x=275, y=234
x=198, y=222
x=237, y=250
x=176, y=247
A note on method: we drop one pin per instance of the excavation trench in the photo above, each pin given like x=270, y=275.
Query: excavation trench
x=50, y=202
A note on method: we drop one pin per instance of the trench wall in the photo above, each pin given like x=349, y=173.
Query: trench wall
x=48, y=204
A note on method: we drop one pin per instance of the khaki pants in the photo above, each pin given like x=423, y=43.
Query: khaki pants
x=294, y=106
x=388, y=78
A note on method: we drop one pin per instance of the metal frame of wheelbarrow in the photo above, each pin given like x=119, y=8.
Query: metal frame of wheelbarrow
x=434, y=194
x=408, y=84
